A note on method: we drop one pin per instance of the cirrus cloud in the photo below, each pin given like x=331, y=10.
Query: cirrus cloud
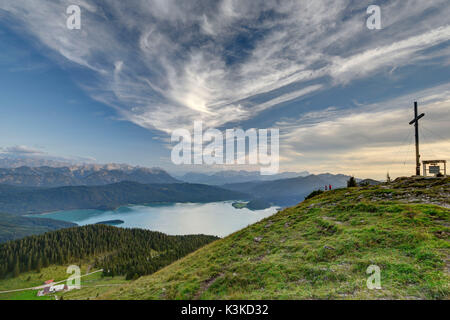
x=163, y=64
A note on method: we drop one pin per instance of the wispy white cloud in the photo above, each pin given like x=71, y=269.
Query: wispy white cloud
x=27, y=152
x=21, y=150
x=399, y=53
x=369, y=140
x=163, y=64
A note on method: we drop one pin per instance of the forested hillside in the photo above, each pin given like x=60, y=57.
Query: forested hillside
x=15, y=227
x=130, y=252
x=108, y=197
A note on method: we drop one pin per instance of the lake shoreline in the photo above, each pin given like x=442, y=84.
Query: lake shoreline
x=180, y=218
x=150, y=204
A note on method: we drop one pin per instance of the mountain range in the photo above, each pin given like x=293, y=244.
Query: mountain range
x=230, y=176
x=42, y=189
x=88, y=175
x=288, y=192
x=16, y=162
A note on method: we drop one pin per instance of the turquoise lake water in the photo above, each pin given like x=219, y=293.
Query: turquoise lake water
x=218, y=218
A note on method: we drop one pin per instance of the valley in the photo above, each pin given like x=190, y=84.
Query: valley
x=214, y=218
x=33, y=192
x=202, y=152
x=320, y=248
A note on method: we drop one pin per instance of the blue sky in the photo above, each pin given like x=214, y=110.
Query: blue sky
x=340, y=94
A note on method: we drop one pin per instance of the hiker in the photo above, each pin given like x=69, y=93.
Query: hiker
x=326, y=188
x=329, y=188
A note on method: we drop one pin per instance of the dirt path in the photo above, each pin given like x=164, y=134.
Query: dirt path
x=206, y=284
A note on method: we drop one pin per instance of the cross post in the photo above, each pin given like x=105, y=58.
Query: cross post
x=415, y=121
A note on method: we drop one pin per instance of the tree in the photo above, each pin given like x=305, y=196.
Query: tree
x=351, y=183
x=28, y=266
x=388, y=178
x=39, y=265
x=46, y=263
x=16, y=270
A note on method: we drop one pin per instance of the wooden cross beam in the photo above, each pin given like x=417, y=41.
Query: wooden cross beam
x=415, y=121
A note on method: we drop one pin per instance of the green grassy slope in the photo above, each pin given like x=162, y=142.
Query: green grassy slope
x=321, y=249
x=91, y=286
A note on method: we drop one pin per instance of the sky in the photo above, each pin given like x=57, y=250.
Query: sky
x=341, y=94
